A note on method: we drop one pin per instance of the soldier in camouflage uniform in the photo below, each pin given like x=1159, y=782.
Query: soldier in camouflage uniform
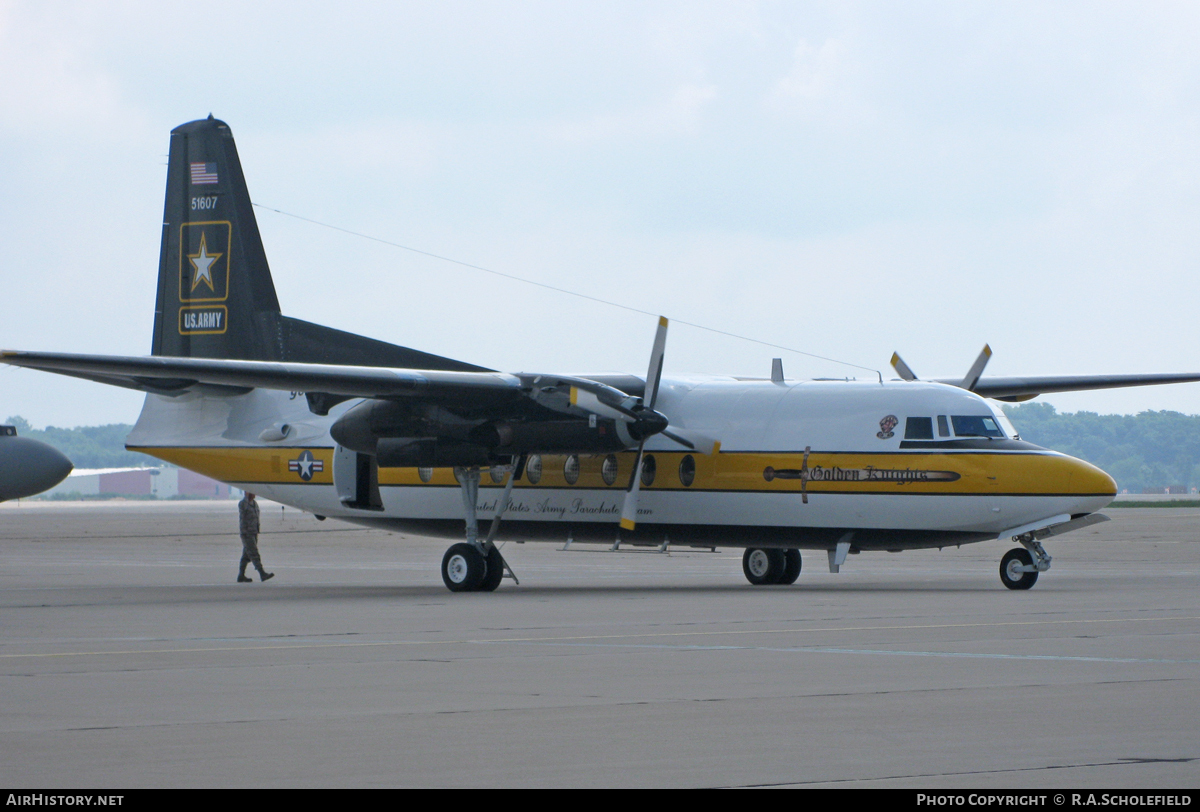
x=248, y=525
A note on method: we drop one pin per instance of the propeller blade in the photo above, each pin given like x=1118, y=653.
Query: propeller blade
x=630, y=506
x=590, y=401
x=653, y=377
x=693, y=440
x=902, y=369
x=654, y=373
x=976, y=370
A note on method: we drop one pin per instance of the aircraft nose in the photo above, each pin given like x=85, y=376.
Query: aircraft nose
x=1093, y=487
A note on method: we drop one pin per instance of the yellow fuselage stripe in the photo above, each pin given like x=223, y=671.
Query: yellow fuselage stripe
x=826, y=472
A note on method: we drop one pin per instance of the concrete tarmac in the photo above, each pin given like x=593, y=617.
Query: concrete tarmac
x=130, y=658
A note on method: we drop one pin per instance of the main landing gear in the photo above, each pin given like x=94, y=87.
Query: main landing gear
x=465, y=569
x=765, y=566
x=474, y=565
x=1019, y=569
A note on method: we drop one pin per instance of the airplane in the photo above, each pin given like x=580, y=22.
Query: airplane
x=349, y=427
x=28, y=467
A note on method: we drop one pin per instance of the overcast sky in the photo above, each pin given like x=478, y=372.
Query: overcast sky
x=843, y=179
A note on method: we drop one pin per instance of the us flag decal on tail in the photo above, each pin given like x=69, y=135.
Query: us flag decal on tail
x=204, y=173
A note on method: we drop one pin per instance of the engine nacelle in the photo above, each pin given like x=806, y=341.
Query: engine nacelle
x=429, y=452
x=404, y=435
x=554, y=437
x=360, y=428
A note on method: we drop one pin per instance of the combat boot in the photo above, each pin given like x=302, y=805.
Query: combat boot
x=265, y=576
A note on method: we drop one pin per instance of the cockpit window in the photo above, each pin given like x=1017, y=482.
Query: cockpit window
x=976, y=426
x=1006, y=424
x=943, y=426
x=918, y=428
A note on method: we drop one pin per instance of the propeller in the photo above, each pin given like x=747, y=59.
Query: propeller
x=968, y=382
x=653, y=376
x=976, y=369
x=902, y=369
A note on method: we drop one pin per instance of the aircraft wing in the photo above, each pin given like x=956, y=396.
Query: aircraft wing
x=1025, y=388
x=326, y=384
x=164, y=375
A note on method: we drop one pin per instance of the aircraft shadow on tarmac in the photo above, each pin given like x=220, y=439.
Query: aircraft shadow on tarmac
x=236, y=593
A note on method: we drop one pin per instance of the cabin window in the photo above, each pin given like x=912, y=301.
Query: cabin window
x=533, y=469
x=918, y=428
x=687, y=471
x=976, y=426
x=609, y=470
x=943, y=426
x=648, y=470
x=571, y=469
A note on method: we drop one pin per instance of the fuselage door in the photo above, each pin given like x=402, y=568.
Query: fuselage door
x=356, y=478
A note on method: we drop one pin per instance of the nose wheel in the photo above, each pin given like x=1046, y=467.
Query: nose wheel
x=1017, y=570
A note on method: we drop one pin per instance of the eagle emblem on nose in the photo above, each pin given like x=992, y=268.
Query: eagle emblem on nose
x=885, y=427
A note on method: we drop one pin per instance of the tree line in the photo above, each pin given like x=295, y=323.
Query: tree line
x=88, y=446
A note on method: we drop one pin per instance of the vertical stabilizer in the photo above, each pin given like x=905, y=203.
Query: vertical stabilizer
x=215, y=294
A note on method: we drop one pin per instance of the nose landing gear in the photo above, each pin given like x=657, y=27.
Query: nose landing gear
x=1019, y=569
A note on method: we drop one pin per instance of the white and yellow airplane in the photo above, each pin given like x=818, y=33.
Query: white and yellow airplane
x=349, y=427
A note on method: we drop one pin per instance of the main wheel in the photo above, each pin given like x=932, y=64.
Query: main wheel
x=763, y=566
x=1012, y=577
x=791, y=567
x=463, y=568
x=495, y=571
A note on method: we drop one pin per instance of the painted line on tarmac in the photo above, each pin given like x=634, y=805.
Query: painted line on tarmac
x=897, y=652
x=600, y=637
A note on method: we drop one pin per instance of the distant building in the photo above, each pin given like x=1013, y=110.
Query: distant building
x=1177, y=489
x=159, y=483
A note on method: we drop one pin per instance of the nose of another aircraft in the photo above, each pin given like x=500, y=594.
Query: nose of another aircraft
x=28, y=467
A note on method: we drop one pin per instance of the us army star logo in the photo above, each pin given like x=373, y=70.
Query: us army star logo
x=306, y=465
x=203, y=262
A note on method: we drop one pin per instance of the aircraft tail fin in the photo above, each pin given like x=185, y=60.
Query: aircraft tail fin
x=215, y=294
x=216, y=298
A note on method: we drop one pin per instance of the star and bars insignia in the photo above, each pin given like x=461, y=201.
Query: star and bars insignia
x=306, y=465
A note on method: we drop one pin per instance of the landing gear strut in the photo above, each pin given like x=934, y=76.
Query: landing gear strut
x=474, y=565
x=764, y=566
